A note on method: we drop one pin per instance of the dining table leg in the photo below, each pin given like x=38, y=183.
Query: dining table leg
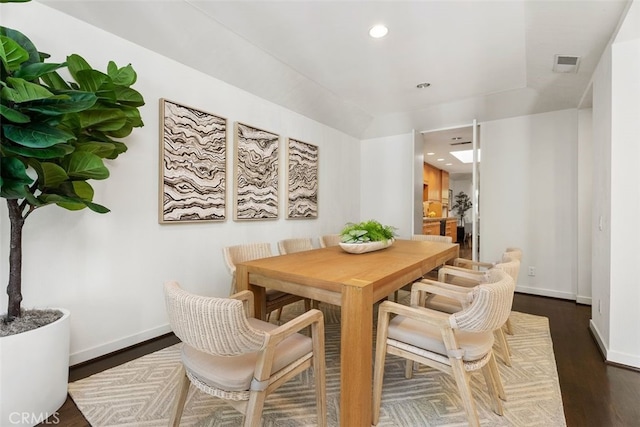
x=259, y=294
x=356, y=343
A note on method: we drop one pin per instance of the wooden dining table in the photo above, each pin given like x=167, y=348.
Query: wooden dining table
x=354, y=282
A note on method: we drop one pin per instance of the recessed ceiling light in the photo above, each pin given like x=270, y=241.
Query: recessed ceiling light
x=378, y=31
x=439, y=160
x=430, y=154
x=456, y=138
x=423, y=85
x=448, y=164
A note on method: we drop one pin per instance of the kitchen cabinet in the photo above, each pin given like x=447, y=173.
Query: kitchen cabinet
x=431, y=227
x=445, y=187
x=433, y=182
x=451, y=229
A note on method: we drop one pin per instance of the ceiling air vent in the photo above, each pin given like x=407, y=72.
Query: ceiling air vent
x=460, y=143
x=566, y=64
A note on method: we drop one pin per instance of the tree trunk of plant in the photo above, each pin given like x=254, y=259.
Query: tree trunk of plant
x=14, y=289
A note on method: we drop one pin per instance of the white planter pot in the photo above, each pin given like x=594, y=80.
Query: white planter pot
x=34, y=372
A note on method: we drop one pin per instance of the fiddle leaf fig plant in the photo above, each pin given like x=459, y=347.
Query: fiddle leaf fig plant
x=55, y=135
x=367, y=231
x=462, y=205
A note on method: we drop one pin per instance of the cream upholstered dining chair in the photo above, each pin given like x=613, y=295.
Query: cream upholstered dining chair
x=231, y=355
x=275, y=300
x=330, y=240
x=456, y=344
x=470, y=278
x=511, y=252
x=289, y=246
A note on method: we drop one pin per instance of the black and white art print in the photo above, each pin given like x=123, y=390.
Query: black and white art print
x=255, y=173
x=302, y=180
x=193, y=164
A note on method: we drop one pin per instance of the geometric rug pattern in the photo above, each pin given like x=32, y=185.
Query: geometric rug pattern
x=141, y=392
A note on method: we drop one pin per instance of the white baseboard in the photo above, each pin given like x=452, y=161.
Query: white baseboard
x=613, y=356
x=598, y=337
x=583, y=300
x=110, y=347
x=546, y=292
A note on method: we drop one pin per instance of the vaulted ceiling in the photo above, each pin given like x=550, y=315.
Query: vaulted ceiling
x=483, y=59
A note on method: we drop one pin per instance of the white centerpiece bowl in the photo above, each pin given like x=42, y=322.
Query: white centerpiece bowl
x=361, y=248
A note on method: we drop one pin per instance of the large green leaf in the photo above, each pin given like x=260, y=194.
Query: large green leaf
x=36, y=135
x=50, y=174
x=78, y=195
x=129, y=96
x=23, y=91
x=102, y=119
x=25, y=43
x=69, y=102
x=91, y=80
x=125, y=76
x=85, y=165
x=77, y=63
x=55, y=82
x=11, y=53
x=15, y=179
x=13, y=115
x=54, y=152
x=33, y=71
x=100, y=149
x=82, y=190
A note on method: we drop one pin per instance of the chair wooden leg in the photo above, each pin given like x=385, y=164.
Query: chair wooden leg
x=493, y=365
x=508, y=326
x=408, y=369
x=307, y=304
x=319, y=372
x=181, y=397
x=462, y=381
x=253, y=416
x=378, y=366
x=505, y=351
x=492, y=388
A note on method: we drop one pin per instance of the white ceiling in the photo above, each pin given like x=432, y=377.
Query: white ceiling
x=491, y=58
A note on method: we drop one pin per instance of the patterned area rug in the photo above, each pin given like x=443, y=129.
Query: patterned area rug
x=141, y=392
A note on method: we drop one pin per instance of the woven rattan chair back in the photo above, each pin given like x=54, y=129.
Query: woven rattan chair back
x=242, y=253
x=289, y=246
x=330, y=240
x=213, y=325
x=490, y=305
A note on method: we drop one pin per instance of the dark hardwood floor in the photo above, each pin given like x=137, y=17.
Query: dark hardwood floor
x=593, y=393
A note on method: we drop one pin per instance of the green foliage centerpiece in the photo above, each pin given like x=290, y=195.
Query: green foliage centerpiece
x=366, y=236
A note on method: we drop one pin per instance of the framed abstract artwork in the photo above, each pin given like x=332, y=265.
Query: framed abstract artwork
x=255, y=170
x=302, y=179
x=192, y=164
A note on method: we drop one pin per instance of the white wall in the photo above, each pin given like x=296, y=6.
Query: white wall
x=625, y=200
x=387, y=182
x=528, y=197
x=585, y=201
x=616, y=195
x=601, y=207
x=109, y=269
